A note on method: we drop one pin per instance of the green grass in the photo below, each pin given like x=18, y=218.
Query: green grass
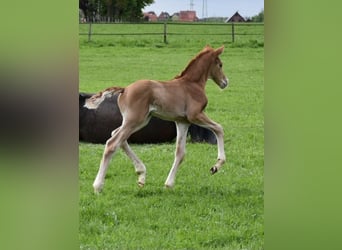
x=223, y=211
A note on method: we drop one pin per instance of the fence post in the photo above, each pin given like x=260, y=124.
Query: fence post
x=165, y=32
x=233, y=35
x=89, y=32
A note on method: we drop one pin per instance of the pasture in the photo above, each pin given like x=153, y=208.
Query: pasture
x=202, y=211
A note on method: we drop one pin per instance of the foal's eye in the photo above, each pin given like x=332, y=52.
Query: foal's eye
x=220, y=65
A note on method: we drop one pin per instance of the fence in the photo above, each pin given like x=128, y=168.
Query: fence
x=168, y=30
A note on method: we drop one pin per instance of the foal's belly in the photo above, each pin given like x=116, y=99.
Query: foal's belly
x=169, y=115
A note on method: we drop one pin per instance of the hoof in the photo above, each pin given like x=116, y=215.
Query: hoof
x=97, y=191
x=140, y=184
x=168, y=186
x=97, y=188
x=213, y=170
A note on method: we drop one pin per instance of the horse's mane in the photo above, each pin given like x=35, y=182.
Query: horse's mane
x=206, y=50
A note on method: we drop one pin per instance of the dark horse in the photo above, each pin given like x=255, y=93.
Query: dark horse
x=96, y=125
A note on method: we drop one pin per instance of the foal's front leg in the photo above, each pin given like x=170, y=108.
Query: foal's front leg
x=202, y=120
x=182, y=129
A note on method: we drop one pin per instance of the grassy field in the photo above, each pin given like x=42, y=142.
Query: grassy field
x=179, y=34
x=223, y=211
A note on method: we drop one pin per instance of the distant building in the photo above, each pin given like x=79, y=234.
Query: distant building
x=164, y=16
x=235, y=18
x=150, y=16
x=175, y=16
x=187, y=16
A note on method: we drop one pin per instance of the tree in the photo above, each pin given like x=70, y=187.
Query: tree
x=124, y=10
x=259, y=17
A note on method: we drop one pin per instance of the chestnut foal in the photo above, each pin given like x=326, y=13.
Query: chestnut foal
x=181, y=100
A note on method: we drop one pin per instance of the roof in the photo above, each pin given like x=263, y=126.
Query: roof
x=164, y=16
x=150, y=16
x=236, y=18
x=187, y=16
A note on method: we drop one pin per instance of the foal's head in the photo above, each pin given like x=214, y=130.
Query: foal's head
x=216, y=71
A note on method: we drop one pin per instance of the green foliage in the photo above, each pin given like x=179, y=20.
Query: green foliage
x=258, y=18
x=223, y=211
x=250, y=44
x=128, y=10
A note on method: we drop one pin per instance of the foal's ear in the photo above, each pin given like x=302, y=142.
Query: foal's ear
x=207, y=47
x=219, y=50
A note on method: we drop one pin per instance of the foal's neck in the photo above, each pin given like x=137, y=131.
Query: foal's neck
x=197, y=70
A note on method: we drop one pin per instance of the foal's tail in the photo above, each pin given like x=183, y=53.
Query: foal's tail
x=94, y=101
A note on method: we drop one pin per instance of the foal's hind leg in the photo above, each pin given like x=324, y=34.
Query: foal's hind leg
x=202, y=120
x=119, y=136
x=112, y=145
x=182, y=129
x=118, y=139
x=140, y=168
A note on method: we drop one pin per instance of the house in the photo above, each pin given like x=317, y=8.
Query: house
x=164, y=16
x=187, y=16
x=175, y=16
x=150, y=16
x=236, y=18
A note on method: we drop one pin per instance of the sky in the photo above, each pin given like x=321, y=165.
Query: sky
x=215, y=8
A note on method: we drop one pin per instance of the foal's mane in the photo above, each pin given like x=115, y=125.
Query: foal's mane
x=206, y=50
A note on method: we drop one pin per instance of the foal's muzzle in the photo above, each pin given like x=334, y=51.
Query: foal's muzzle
x=224, y=83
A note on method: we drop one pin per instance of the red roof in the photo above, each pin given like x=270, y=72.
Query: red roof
x=150, y=16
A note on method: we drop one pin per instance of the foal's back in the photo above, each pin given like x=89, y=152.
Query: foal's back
x=163, y=99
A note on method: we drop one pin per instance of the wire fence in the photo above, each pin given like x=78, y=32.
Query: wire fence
x=173, y=30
